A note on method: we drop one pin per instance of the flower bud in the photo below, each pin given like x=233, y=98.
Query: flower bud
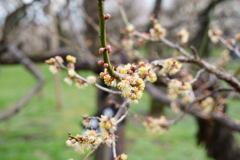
x=100, y=63
x=123, y=156
x=91, y=79
x=108, y=125
x=105, y=65
x=71, y=59
x=71, y=72
x=107, y=16
x=108, y=48
x=231, y=41
x=237, y=37
x=59, y=59
x=130, y=28
x=50, y=61
x=101, y=50
x=85, y=116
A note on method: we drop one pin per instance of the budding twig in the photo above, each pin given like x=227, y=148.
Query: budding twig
x=85, y=80
x=96, y=27
x=123, y=13
x=102, y=25
x=99, y=86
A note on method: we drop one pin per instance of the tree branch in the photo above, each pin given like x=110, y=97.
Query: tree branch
x=24, y=60
x=102, y=24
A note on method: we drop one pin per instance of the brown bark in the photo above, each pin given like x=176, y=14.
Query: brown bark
x=91, y=35
x=29, y=65
x=218, y=140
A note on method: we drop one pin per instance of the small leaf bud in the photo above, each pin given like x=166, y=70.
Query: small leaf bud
x=100, y=63
x=108, y=48
x=107, y=16
x=101, y=50
x=105, y=65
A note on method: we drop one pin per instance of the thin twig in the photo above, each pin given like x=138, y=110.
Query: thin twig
x=211, y=93
x=182, y=115
x=233, y=81
x=123, y=13
x=197, y=76
x=102, y=25
x=96, y=27
x=29, y=65
x=123, y=116
x=95, y=84
x=70, y=43
x=114, y=149
x=72, y=137
x=166, y=42
x=230, y=47
x=195, y=52
x=120, y=110
x=98, y=86
x=92, y=152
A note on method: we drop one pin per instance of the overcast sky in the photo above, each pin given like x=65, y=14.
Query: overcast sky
x=166, y=3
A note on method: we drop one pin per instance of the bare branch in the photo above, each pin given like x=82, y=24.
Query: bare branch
x=230, y=47
x=92, y=152
x=24, y=60
x=123, y=116
x=234, y=82
x=195, y=52
x=121, y=109
x=70, y=43
x=197, y=76
x=213, y=92
x=114, y=149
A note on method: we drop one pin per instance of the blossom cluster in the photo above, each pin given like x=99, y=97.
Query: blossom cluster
x=54, y=64
x=214, y=35
x=157, y=30
x=91, y=138
x=131, y=83
x=170, y=66
x=107, y=124
x=121, y=157
x=183, y=35
x=57, y=63
x=207, y=105
x=176, y=88
x=86, y=142
x=156, y=125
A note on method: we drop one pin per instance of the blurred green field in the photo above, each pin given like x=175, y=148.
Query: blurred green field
x=39, y=130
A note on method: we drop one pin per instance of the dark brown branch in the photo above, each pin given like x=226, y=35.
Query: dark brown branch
x=193, y=109
x=230, y=47
x=121, y=109
x=234, y=82
x=83, y=62
x=24, y=60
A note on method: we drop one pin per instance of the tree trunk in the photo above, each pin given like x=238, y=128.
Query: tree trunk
x=218, y=140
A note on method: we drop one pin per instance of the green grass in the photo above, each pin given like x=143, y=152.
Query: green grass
x=39, y=130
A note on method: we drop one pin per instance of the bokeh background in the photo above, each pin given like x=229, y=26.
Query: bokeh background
x=39, y=130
